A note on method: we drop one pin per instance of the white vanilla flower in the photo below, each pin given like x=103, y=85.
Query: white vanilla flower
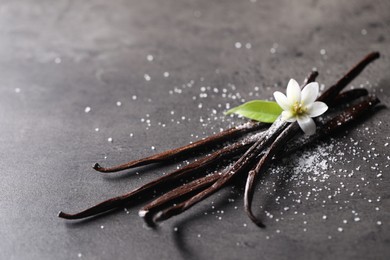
x=301, y=105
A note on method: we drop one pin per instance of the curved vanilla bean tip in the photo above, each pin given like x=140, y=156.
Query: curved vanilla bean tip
x=256, y=220
x=248, y=199
x=252, y=217
x=132, y=164
x=65, y=215
x=100, y=208
x=187, y=150
x=68, y=216
x=311, y=78
x=142, y=213
x=97, y=167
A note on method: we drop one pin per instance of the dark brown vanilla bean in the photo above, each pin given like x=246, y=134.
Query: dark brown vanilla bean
x=199, y=165
x=348, y=77
x=206, y=143
x=311, y=78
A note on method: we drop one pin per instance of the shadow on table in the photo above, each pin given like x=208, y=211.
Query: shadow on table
x=179, y=233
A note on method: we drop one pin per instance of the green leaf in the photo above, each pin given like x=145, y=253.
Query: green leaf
x=259, y=110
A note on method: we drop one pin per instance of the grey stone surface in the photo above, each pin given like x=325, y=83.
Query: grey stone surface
x=59, y=57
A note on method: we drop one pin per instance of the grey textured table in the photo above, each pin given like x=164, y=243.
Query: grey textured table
x=174, y=67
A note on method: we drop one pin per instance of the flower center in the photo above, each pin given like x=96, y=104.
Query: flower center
x=298, y=109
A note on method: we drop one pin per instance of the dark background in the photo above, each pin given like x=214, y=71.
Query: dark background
x=59, y=57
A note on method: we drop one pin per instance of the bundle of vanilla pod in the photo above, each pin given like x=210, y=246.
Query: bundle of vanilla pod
x=263, y=144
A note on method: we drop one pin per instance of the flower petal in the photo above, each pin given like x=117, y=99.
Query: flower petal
x=288, y=116
x=316, y=109
x=309, y=93
x=282, y=100
x=293, y=91
x=307, y=124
